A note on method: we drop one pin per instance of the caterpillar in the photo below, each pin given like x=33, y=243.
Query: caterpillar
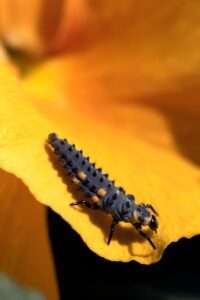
x=101, y=193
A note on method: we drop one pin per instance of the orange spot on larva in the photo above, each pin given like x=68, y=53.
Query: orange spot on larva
x=75, y=180
x=82, y=175
x=101, y=192
x=95, y=199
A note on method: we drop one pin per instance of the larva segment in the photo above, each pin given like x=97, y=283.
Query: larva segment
x=84, y=173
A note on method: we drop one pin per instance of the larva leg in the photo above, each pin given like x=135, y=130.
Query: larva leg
x=112, y=229
x=147, y=238
x=144, y=235
x=82, y=202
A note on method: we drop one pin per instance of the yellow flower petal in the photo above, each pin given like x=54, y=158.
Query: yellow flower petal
x=124, y=100
x=23, y=252
x=131, y=142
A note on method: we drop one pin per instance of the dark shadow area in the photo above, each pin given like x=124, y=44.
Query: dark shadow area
x=125, y=236
x=181, y=109
x=81, y=272
x=185, y=128
x=23, y=60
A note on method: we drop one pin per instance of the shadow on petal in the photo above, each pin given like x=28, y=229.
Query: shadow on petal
x=181, y=110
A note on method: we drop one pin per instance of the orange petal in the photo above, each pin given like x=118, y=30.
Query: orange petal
x=142, y=52
x=19, y=24
x=40, y=26
x=144, y=28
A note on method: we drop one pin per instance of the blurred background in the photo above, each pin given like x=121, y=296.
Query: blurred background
x=43, y=258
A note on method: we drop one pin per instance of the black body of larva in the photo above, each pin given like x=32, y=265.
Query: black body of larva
x=100, y=192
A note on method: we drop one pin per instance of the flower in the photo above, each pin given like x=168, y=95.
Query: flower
x=123, y=85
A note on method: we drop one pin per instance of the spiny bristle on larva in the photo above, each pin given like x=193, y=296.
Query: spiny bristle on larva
x=77, y=165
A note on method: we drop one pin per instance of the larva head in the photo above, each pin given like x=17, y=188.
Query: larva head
x=145, y=215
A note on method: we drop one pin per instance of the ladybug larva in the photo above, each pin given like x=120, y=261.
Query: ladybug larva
x=102, y=193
